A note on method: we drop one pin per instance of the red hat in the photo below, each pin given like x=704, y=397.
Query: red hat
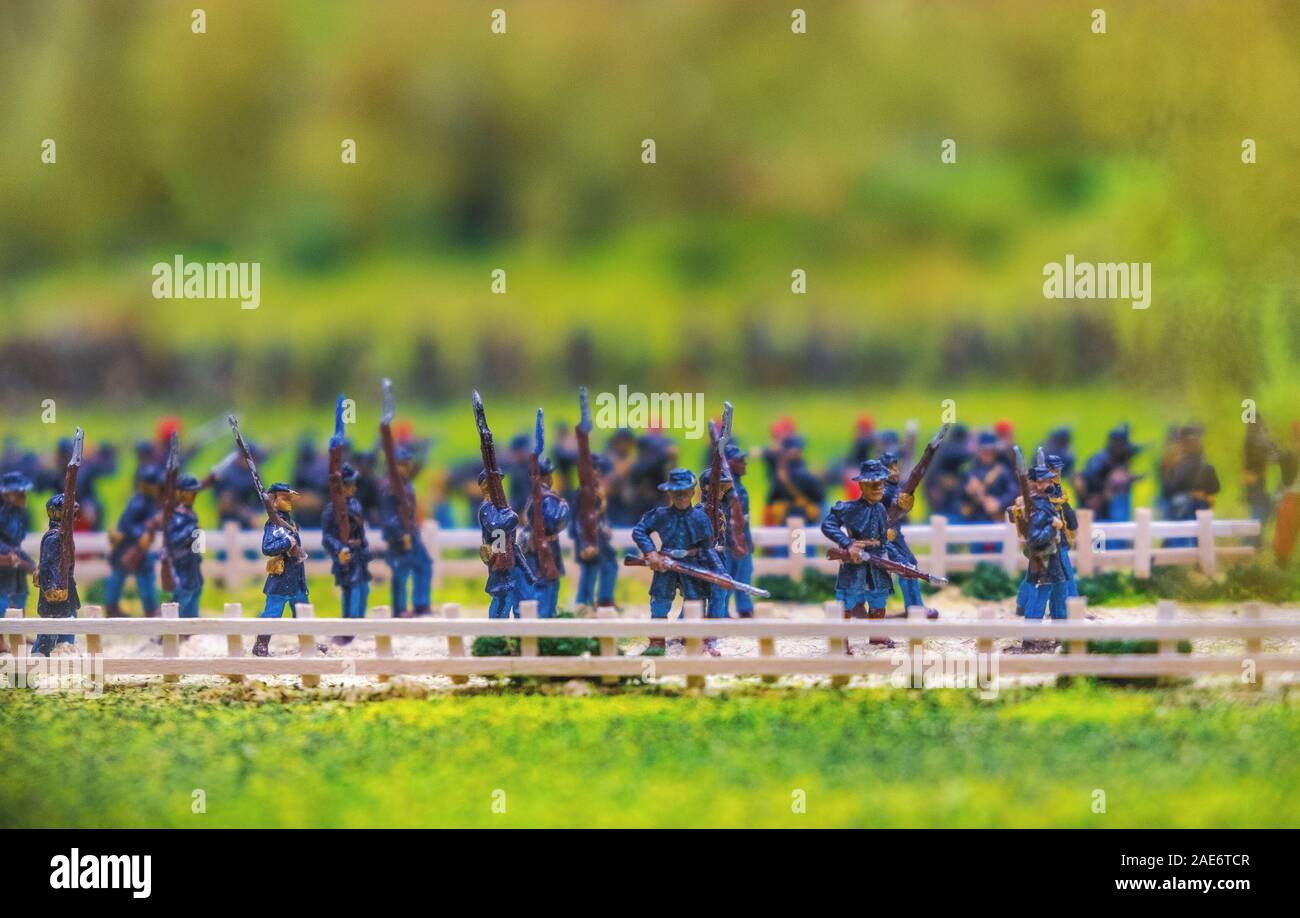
x=1003, y=428
x=866, y=424
x=782, y=427
x=166, y=427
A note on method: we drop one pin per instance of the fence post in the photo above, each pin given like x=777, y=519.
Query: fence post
x=835, y=647
x=455, y=643
x=307, y=644
x=432, y=534
x=766, y=645
x=1209, y=558
x=383, y=642
x=233, y=568
x=528, y=612
x=1010, y=548
x=234, y=642
x=1254, y=646
x=15, y=646
x=797, y=560
x=171, y=643
x=94, y=642
x=939, y=546
x=985, y=614
x=608, y=645
x=693, y=611
x=1142, y=544
x=1084, y=561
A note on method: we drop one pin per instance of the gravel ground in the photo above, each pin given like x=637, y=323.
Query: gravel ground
x=952, y=606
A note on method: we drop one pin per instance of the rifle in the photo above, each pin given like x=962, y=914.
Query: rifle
x=713, y=498
x=405, y=512
x=588, y=492
x=272, y=514
x=699, y=573
x=917, y=473
x=888, y=565
x=69, y=518
x=134, y=554
x=1026, y=494
x=537, y=519
x=505, y=560
x=14, y=559
x=338, y=500
x=219, y=469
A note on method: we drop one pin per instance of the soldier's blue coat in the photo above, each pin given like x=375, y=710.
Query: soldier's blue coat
x=357, y=570
x=1043, y=544
x=1066, y=512
x=856, y=520
x=555, y=514
x=679, y=530
x=13, y=528
x=391, y=524
x=998, y=482
x=51, y=578
x=186, y=562
x=898, y=549
x=490, y=522
x=741, y=493
x=132, y=523
x=277, y=541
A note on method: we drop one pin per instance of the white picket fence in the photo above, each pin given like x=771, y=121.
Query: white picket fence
x=233, y=555
x=831, y=632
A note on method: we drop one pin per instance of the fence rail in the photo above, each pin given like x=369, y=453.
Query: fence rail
x=233, y=555
x=831, y=632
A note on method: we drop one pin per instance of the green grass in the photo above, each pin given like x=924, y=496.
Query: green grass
x=862, y=758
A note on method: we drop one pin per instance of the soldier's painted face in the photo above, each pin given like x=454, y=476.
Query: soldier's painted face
x=16, y=498
x=873, y=490
x=404, y=469
x=893, y=473
x=187, y=497
x=738, y=466
x=284, y=501
x=681, y=499
x=350, y=490
x=149, y=489
x=546, y=479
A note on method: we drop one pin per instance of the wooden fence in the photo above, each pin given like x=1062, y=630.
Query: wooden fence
x=233, y=555
x=830, y=633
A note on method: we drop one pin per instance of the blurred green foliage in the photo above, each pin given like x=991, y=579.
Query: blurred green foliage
x=989, y=581
x=648, y=757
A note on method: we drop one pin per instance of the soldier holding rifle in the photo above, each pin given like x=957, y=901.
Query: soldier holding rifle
x=55, y=577
x=592, y=538
x=407, y=556
x=15, y=565
x=546, y=513
x=509, y=577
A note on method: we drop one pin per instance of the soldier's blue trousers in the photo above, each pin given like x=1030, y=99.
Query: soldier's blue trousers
x=188, y=600
x=144, y=584
x=14, y=600
x=659, y=608
x=354, y=600
x=504, y=605
x=45, y=643
x=596, y=579
x=1025, y=594
x=416, y=568
x=911, y=589
x=1052, y=594
x=547, y=594
x=872, y=599
x=275, y=603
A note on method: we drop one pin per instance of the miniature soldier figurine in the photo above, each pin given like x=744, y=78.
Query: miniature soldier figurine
x=861, y=527
x=597, y=564
x=58, y=597
x=1046, y=572
x=407, y=556
x=685, y=534
x=739, y=562
x=14, y=562
x=1056, y=466
x=286, y=581
x=555, y=516
x=181, y=532
x=716, y=607
x=350, y=560
x=134, y=529
x=897, y=547
x=497, y=528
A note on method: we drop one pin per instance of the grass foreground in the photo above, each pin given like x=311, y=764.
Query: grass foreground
x=261, y=756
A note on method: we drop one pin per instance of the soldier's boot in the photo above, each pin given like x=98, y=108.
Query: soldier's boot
x=113, y=610
x=931, y=614
x=711, y=647
x=422, y=610
x=342, y=640
x=262, y=646
x=1020, y=610
x=879, y=641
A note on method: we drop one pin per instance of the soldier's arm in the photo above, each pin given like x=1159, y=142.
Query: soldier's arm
x=276, y=541
x=831, y=528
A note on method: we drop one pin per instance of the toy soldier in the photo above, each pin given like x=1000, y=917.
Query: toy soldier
x=861, y=528
x=407, y=556
x=1046, y=574
x=1105, y=484
x=15, y=564
x=56, y=577
x=286, y=580
x=1188, y=481
x=794, y=490
x=686, y=535
x=543, y=535
x=899, y=500
x=739, y=560
x=498, y=528
x=1056, y=466
x=132, y=541
x=597, y=561
x=180, y=534
x=344, y=537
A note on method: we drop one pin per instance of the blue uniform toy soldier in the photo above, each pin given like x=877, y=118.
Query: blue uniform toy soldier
x=56, y=578
x=498, y=527
x=685, y=534
x=897, y=547
x=543, y=532
x=1047, y=574
x=739, y=559
x=15, y=564
x=598, y=561
x=407, y=556
x=990, y=487
x=1057, y=466
x=131, y=542
x=181, y=532
x=861, y=527
x=349, y=551
x=286, y=580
